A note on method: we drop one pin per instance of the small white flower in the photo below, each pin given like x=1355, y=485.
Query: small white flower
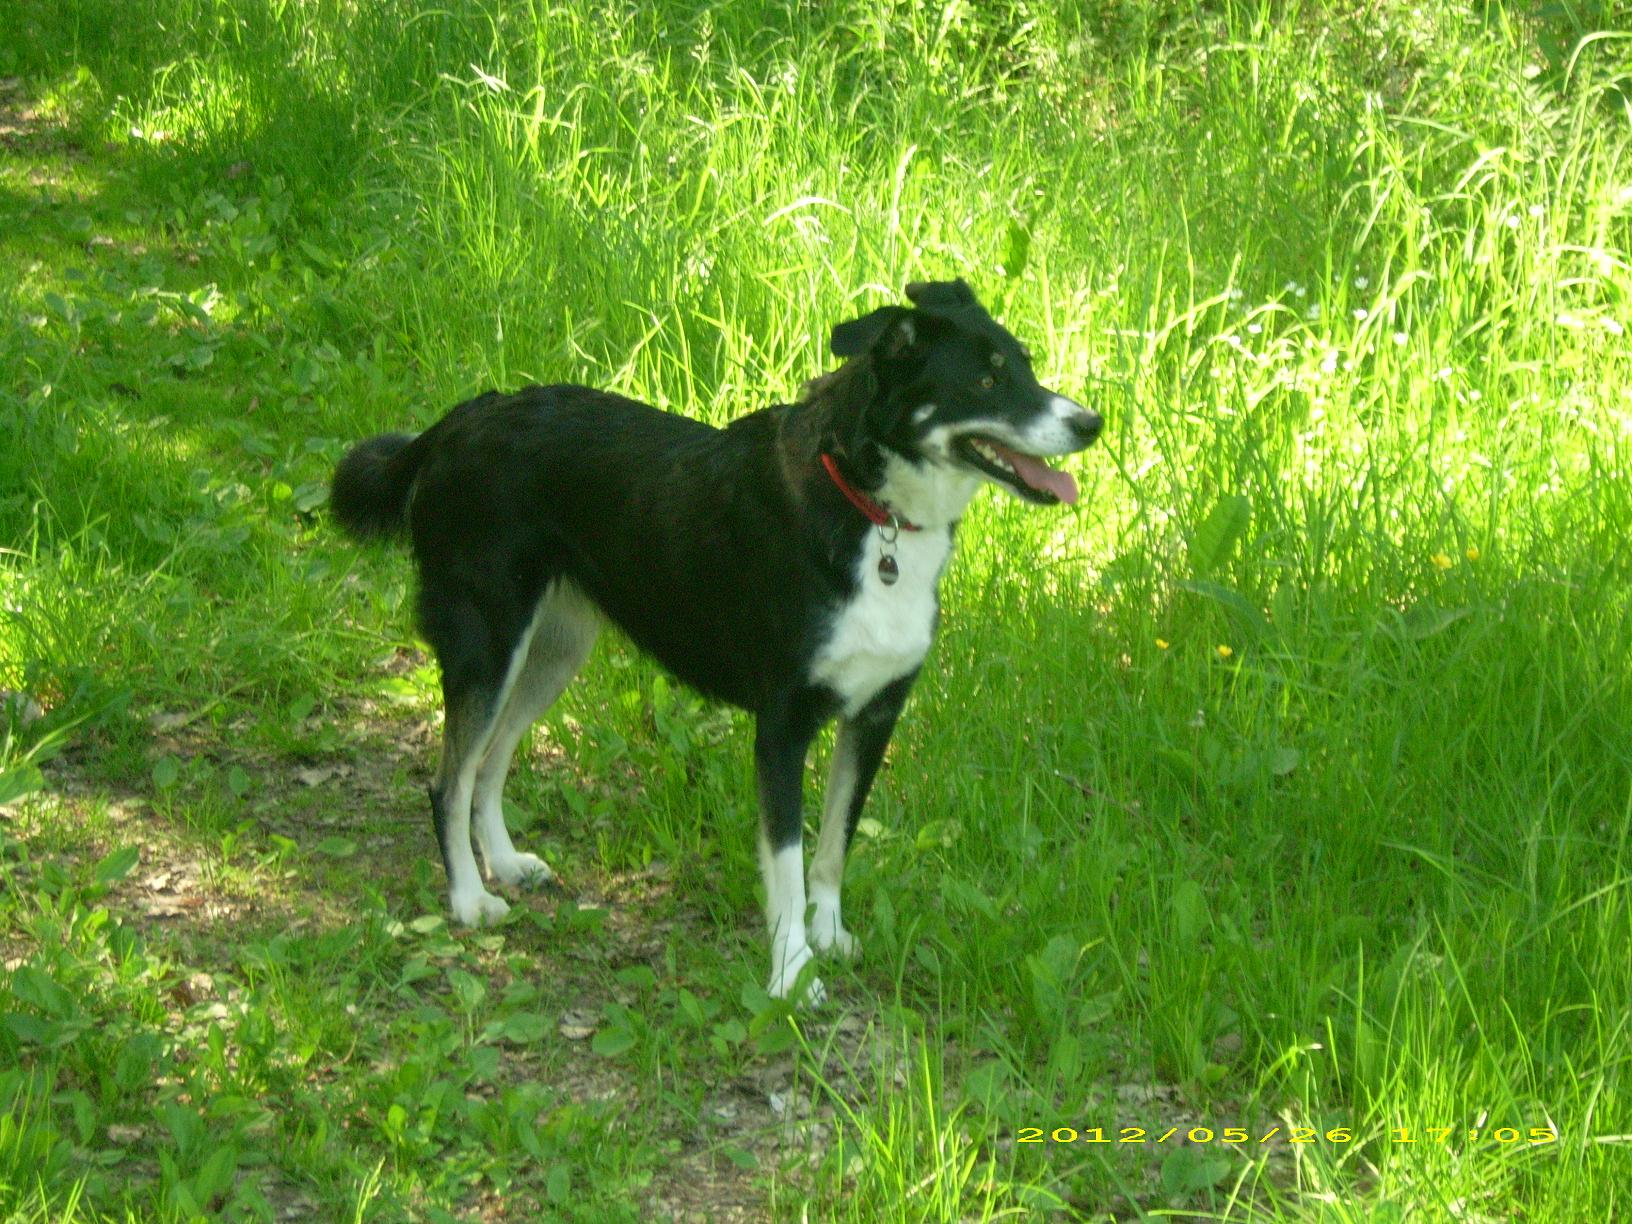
x=1255, y=328
x=1362, y=282
x=1532, y=71
x=1536, y=210
x=1613, y=326
x=1399, y=339
x=1511, y=221
x=1361, y=314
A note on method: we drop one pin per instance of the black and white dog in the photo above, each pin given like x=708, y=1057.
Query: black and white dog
x=787, y=563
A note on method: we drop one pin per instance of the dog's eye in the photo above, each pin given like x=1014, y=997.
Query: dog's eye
x=988, y=382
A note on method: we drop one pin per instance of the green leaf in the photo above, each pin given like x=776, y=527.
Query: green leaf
x=1215, y=539
x=1189, y=911
x=1181, y=765
x=524, y=1028
x=941, y=833
x=987, y=1081
x=336, y=847
x=19, y=781
x=1283, y=760
x=558, y=1185
x=1250, y=619
x=116, y=866
x=1188, y=1170
x=40, y=990
x=166, y=772
x=640, y=977
x=1016, y=250
x=468, y=989
x=611, y=1042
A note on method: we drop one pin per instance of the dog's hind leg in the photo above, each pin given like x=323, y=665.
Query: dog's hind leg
x=781, y=740
x=858, y=749
x=467, y=726
x=481, y=657
x=562, y=633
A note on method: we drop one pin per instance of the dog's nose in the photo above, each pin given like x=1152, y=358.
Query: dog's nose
x=1086, y=425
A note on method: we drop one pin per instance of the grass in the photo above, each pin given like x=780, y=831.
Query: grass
x=1256, y=845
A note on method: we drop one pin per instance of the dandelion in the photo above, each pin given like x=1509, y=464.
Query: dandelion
x=1161, y=643
x=1441, y=561
x=1224, y=651
x=1472, y=553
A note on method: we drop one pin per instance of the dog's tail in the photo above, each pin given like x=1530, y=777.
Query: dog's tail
x=369, y=495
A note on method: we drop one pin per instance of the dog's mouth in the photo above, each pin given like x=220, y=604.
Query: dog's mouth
x=1027, y=475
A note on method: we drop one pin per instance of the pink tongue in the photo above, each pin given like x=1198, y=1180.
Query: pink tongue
x=1039, y=475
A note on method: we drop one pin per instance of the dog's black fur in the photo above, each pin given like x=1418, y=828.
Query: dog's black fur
x=730, y=555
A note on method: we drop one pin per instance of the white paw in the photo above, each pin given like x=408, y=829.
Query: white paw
x=518, y=868
x=827, y=934
x=478, y=908
x=785, y=977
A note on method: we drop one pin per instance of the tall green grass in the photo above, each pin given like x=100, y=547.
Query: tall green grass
x=1286, y=783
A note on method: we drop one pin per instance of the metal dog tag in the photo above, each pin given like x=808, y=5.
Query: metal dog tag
x=888, y=571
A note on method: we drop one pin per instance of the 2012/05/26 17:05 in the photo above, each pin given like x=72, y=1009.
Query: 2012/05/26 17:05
x=1291, y=1134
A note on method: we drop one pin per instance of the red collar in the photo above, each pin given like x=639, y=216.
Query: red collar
x=877, y=512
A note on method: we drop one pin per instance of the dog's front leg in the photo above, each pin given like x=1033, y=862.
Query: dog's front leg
x=781, y=742
x=858, y=749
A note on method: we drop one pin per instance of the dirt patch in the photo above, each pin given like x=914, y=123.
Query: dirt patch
x=26, y=128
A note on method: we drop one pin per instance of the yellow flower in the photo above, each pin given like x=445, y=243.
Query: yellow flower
x=1161, y=644
x=1472, y=554
x=1442, y=561
x=1224, y=652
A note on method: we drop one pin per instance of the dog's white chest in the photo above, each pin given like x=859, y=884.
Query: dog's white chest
x=884, y=631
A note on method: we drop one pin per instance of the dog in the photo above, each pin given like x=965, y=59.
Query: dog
x=786, y=563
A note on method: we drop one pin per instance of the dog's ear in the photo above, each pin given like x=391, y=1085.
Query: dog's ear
x=941, y=295
x=888, y=327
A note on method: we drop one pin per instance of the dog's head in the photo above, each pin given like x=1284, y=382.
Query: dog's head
x=954, y=389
